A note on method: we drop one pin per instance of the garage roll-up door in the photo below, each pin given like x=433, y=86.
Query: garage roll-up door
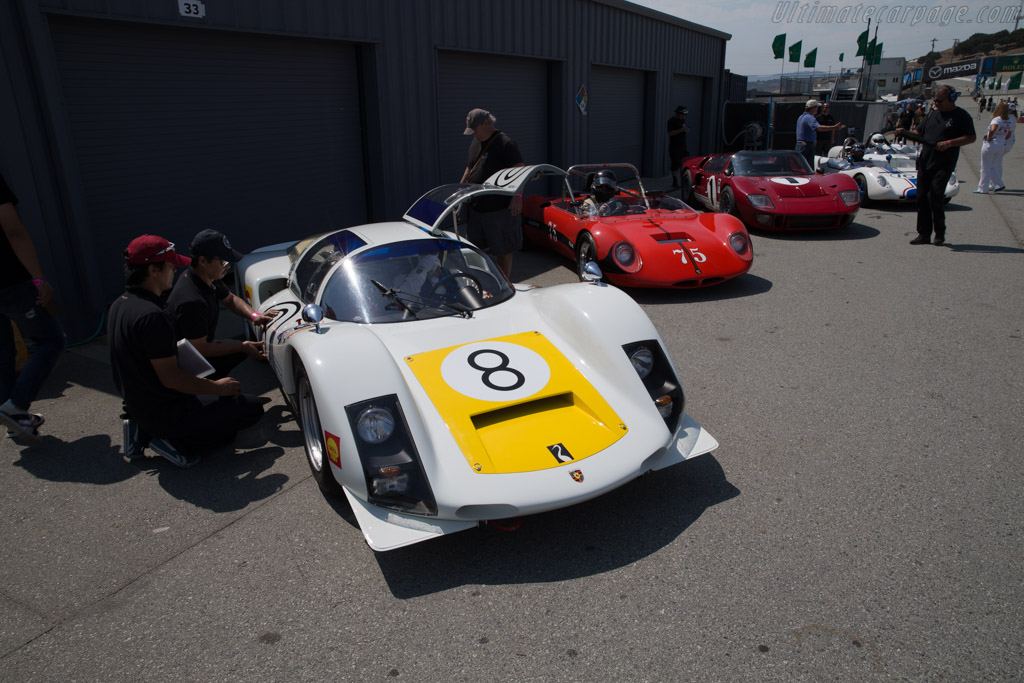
x=689, y=92
x=616, y=115
x=176, y=130
x=514, y=90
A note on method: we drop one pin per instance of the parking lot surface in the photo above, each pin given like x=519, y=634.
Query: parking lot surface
x=861, y=519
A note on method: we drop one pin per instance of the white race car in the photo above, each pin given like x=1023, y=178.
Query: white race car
x=435, y=395
x=880, y=172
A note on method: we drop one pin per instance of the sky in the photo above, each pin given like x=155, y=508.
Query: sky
x=905, y=29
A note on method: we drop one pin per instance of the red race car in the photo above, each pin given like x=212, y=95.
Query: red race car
x=638, y=239
x=771, y=190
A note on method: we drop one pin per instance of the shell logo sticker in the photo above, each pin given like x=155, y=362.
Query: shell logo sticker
x=333, y=448
x=790, y=181
x=495, y=371
x=577, y=476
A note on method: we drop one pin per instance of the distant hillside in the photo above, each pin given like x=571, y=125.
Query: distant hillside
x=978, y=45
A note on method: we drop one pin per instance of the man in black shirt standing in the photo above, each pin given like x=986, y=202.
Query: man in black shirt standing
x=24, y=298
x=677, y=149
x=162, y=408
x=943, y=131
x=494, y=223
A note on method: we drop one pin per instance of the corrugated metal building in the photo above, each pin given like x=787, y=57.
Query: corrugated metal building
x=275, y=119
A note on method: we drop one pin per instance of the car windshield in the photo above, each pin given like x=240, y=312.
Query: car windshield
x=777, y=163
x=413, y=280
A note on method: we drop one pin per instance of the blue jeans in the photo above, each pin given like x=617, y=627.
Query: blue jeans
x=18, y=305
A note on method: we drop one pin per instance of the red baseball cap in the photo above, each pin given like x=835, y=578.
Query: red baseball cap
x=153, y=249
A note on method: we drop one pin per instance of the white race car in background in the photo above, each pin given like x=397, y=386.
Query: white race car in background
x=880, y=174
x=435, y=395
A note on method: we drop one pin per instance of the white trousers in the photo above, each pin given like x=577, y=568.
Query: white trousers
x=992, y=154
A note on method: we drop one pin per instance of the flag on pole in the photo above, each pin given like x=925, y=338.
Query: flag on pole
x=779, y=46
x=1014, y=82
x=862, y=44
x=878, y=54
x=811, y=58
x=841, y=56
x=999, y=85
x=794, y=51
x=869, y=51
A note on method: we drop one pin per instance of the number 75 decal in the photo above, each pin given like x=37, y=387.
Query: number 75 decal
x=695, y=254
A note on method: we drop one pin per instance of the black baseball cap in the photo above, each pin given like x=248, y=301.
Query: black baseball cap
x=213, y=244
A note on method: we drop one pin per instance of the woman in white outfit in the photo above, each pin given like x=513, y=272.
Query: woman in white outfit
x=997, y=141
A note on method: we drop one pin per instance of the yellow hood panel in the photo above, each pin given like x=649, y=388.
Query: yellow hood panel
x=516, y=404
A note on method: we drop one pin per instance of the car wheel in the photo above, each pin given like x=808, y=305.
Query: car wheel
x=727, y=203
x=686, y=188
x=313, y=435
x=586, y=251
x=862, y=185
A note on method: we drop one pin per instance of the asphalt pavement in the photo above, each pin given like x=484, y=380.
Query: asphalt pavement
x=860, y=521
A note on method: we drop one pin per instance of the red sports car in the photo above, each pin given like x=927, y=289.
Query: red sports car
x=638, y=239
x=771, y=190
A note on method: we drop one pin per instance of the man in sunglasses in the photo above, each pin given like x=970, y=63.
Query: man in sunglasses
x=163, y=411
x=942, y=133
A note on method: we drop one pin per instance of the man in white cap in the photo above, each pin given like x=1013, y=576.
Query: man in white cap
x=494, y=223
x=806, y=130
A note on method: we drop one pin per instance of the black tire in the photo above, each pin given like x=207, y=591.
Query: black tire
x=313, y=435
x=862, y=185
x=727, y=203
x=686, y=188
x=586, y=251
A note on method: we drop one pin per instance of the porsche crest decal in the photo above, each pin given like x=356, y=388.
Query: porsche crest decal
x=577, y=475
x=333, y=448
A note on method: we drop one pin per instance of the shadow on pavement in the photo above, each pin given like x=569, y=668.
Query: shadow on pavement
x=983, y=249
x=603, y=534
x=744, y=285
x=855, y=231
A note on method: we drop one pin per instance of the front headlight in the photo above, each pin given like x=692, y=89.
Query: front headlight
x=760, y=201
x=882, y=182
x=652, y=366
x=391, y=464
x=375, y=425
x=739, y=242
x=642, y=360
x=625, y=256
x=952, y=179
x=850, y=197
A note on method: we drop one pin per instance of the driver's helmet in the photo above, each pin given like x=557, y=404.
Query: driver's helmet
x=604, y=185
x=857, y=151
x=878, y=140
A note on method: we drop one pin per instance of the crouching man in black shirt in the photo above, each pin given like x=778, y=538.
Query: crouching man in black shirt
x=163, y=411
x=195, y=303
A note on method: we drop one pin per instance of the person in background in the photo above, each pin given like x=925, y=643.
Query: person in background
x=996, y=142
x=825, y=142
x=677, y=148
x=807, y=128
x=163, y=411
x=494, y=223
x=24, y=297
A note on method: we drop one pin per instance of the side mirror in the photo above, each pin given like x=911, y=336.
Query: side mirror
x=312, y=315
x=592, y=273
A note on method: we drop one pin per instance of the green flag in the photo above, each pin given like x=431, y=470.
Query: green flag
x=794, y=51
x=999, y=85
x=1014, y=83
x=811, y=57
x=779, y=46
x=878, y=54
x=869, y=52
x=862, y=44
x=841, y=56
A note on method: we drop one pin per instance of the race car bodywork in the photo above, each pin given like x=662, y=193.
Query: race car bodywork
x=435, y=395
x=638, y=239
x=885, y=173
x=770, y=190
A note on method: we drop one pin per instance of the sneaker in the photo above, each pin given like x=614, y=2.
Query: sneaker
x=20, y=423
x=133, y=445
x=999, y=189
x=162, y=447
x=919, y=240
x=978, y=192
x=939, y=241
